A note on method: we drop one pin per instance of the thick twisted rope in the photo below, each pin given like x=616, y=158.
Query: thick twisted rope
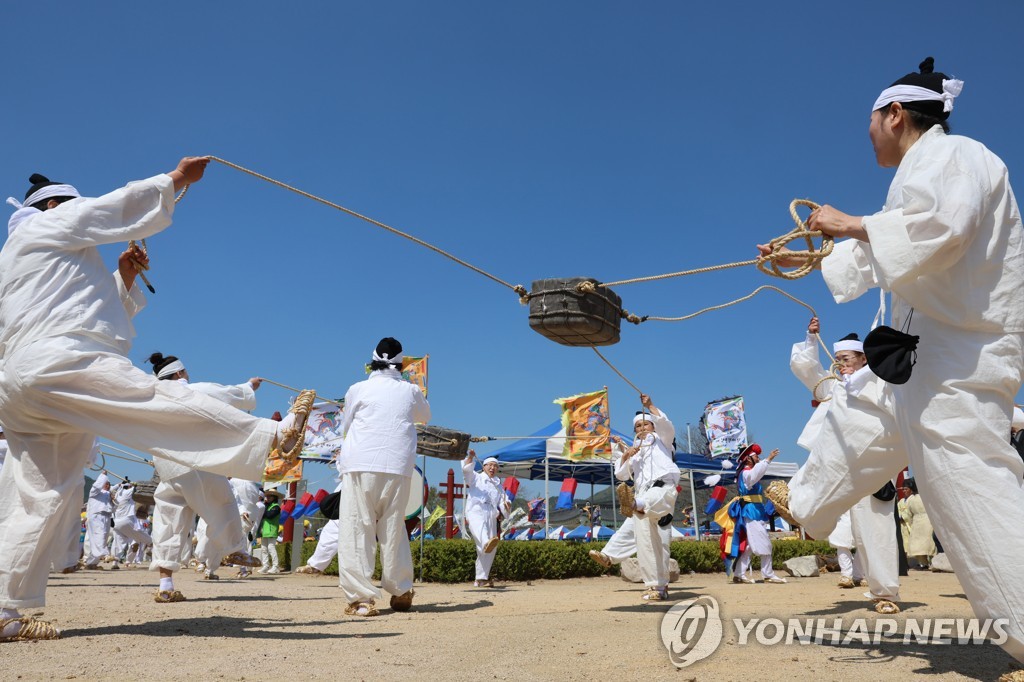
x=767, y=264
x=142, y=267
x=518, y=288
x=614, y=369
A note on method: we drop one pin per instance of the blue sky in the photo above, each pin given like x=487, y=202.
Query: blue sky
x=534, y=140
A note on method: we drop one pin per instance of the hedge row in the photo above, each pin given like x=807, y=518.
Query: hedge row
x=452, y=561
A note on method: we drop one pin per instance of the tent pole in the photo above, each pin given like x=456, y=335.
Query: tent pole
x=423, y=512
x=547, y=497
x=693, y=501
x=615, y=514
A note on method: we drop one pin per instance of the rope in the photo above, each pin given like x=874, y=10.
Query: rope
x=135, y=457
x=518, y=288
x=134, y=461
x=767, y=264
x=299, y=390
x=142, y=267
x=621, y=375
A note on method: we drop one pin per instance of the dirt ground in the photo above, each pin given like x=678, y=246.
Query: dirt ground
x=292, y=627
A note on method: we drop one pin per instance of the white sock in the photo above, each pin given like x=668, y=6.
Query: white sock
x=12, y=629
x=166, y=584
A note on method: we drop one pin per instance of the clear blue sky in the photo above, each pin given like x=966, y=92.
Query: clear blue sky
x=535, y=140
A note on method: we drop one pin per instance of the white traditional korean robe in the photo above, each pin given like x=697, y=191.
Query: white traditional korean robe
x=376, y=463
x=98, y=512
x=948, y=244
x=64, y=331
x=485, y=499
x=852, y=438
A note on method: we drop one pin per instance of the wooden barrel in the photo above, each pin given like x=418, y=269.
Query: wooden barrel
x=574, y=318
x=144, y=491
x=437, y=441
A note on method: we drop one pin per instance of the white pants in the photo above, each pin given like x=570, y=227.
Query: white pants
x=622, y=544
x=56, y=396
x=125, y=533
x=177, y=503
x=372, y=510
x=651, y=543
x=270, y=558
x=482, y=526
x=67, y=552
x=849, y=565
x=758, y=542
x=99, y=527
x=326, y=547
x=874, y=535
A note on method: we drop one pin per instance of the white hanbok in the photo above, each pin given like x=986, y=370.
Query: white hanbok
x=949, y=245
x=377, y=461
x=184, y=492
x=852, y=439
x=98, y=512
x=65, y=328
x=484, y=501
x=125, y=528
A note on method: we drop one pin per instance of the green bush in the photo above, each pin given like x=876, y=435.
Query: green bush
x=452, y=561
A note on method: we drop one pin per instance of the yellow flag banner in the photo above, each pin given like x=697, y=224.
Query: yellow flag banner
x=279, y=470
x=586, y=424
x=433, y=518
x=414, y=370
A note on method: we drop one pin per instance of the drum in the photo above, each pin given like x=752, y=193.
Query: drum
x=144, y=490
x=418, y=491
x=437, y=441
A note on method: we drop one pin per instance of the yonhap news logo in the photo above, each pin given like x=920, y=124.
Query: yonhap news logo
x=692, y=630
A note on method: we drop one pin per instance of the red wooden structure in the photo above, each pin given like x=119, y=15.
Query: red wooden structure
x=451, y=491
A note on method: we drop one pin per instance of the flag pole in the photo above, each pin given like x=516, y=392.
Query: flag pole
x=693, y=491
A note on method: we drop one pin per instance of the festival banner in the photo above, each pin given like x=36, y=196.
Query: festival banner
x=536, y=509
x=587, y=426
x=725, y=426
x=511, y=487
x=279, y=470
x=323, y=435
x=434, y=517
x=567, y=494
x=414, y=370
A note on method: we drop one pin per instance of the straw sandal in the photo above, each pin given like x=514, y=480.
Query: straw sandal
x=845, y=583
x=627, y=502
x=168, y=596
x=301, y=408
x=31, y=630
x=243, y=559
x=309, y=570
x=361, y=608
x=653, y=594
x=402, y=602
x=211, y=576
x=600, y=557
x=1015, y=676
x=886, y=607
x=491, y=545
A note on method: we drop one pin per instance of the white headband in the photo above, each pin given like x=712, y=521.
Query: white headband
x=914, y=93
x=170, y=369
x=642, y=417
x=491, y=459
x=43, y=193
x=848, y=344
x=397, y=360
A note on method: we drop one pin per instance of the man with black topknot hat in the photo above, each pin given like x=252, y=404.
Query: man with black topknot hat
x=949, y=245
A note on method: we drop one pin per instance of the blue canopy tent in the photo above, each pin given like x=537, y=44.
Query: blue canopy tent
x=538, y=457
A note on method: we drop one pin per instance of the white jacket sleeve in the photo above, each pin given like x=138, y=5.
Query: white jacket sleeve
x=136, y=211
x=134, y=300
x=240, y=396
x=805, y=362
x=420, y=408
x=623, y=468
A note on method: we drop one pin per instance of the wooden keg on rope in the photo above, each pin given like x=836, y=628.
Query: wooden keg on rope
x=571, y=315
x=437, y=441
x=144, y=491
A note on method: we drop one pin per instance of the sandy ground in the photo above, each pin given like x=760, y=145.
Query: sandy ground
x=292, y=627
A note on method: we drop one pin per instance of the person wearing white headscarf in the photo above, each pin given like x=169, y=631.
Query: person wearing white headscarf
x=485, y=499
x=183, y=493
x=125, y=528
x=852, y=435
x=98, y=513
x=949, y=245
x=651, y=500
x=65, y=331
x=377, y=462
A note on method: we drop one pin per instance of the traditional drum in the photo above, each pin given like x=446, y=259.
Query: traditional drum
x=144, y=490
x=437, y=441
x=418, y=492
x=564, y=313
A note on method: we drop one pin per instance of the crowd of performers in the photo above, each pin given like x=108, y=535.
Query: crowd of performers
x=947, y=246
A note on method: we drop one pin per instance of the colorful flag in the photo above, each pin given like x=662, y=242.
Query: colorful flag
x=567, y=494
x=537, y=508
x=287, y=507
x=717, y=499
x=414, y=370
x=586, y=424
x=434, y=517
x=725, y=426
x=511, y=487
x=300, y=506
x=314, y=506
x=323, y=436
x=278, y=470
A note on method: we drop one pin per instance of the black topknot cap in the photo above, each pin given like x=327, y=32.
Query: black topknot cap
x=850, y=337
x=390, y=346
x=38, y=182
x=927, y=66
